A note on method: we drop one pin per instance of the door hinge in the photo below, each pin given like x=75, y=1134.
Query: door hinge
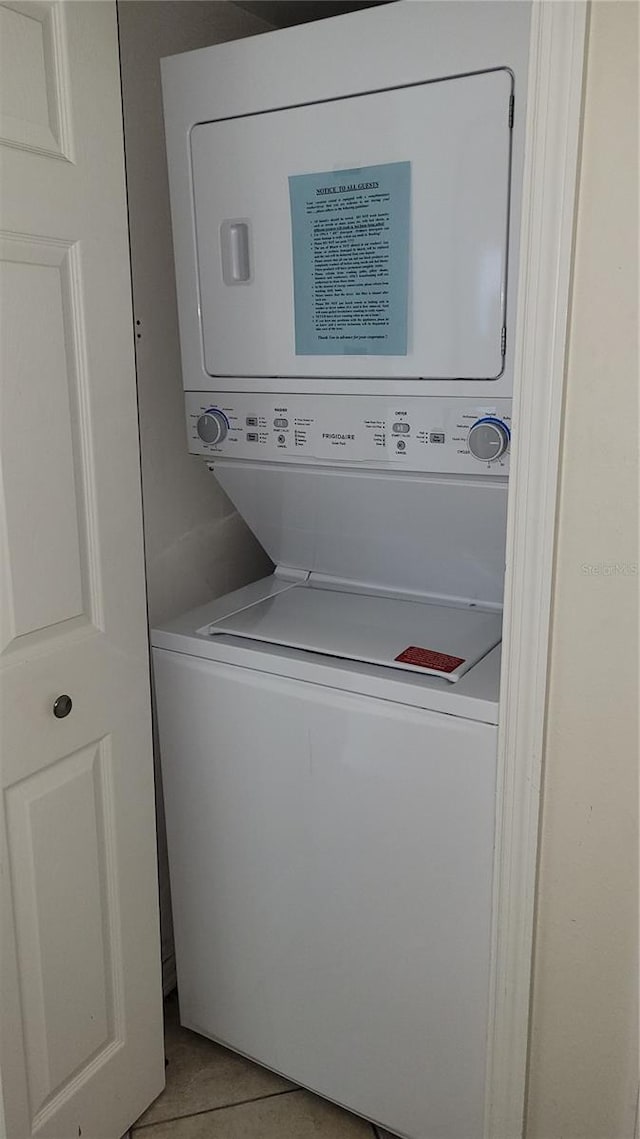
x=503, y=340
x=512, y=100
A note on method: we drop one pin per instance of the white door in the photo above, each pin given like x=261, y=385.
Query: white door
x=82, y=1051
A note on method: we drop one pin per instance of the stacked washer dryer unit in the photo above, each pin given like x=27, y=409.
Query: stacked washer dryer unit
x=329, y=733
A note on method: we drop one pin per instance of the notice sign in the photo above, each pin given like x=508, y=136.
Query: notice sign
x=350, y=232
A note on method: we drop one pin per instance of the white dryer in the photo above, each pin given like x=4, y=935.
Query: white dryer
x=345, y=228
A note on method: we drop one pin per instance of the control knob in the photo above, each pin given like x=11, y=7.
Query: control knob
x=488, y=439
x=212, y=427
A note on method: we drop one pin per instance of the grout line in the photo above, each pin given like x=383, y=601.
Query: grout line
x=210, y=1110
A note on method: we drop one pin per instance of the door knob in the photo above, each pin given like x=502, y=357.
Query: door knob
x=62, y=706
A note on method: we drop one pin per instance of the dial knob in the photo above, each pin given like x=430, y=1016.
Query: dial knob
x=212, y=427
x=488, y=439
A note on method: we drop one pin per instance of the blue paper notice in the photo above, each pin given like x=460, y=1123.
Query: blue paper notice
x=350, y=232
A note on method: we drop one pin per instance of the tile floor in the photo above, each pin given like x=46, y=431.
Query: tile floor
x=212, y=1093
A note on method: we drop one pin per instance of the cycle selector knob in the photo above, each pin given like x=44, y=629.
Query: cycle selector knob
x=212, y=427
x=488, y=439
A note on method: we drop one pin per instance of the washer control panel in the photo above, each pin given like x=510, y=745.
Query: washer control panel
x=428, y=433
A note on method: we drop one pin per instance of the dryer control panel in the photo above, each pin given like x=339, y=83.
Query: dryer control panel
x=438, y=435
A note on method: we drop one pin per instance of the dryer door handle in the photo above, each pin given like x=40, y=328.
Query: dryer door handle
x=235, y=249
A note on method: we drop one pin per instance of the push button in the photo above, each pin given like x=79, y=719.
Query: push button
x=401, y=429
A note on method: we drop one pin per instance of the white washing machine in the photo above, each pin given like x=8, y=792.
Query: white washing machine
x=330, y=826
x=345, y=228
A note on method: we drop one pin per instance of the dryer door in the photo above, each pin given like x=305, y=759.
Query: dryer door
x=357, y=237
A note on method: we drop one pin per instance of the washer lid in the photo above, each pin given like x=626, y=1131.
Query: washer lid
x=440, y=640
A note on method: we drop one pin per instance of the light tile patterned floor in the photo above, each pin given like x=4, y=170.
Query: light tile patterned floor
x=212, y=1093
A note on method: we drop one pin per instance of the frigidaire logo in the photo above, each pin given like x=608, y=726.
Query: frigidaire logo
x=335, y=435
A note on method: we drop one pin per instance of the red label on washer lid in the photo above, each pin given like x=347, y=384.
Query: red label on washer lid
x=427, y=658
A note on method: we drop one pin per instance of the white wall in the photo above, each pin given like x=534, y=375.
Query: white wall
x=583, y=1062
x=197, y=546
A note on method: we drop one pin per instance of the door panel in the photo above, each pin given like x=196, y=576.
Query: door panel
x=36, y=438
x=82, y=1048
x=34, y=83
x=64, y=927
